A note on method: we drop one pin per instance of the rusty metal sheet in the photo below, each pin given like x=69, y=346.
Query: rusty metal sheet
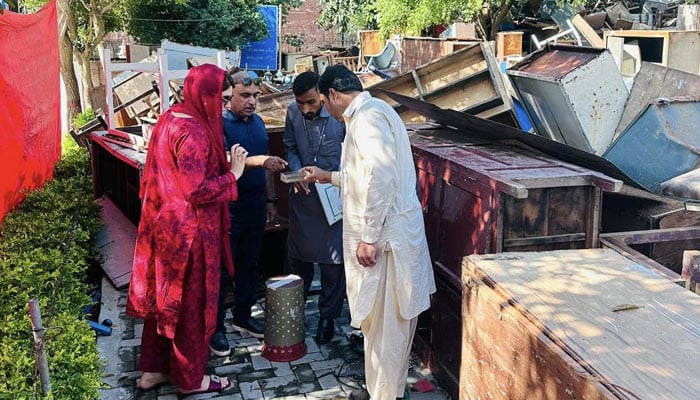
x=557, y=63
x=660, y=144
x=478, y=128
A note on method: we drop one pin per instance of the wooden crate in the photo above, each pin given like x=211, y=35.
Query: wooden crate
x=484, y=197
x=575, y=324
x=509, y=43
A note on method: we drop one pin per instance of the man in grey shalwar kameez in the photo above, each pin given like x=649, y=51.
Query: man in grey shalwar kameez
x=313, y=138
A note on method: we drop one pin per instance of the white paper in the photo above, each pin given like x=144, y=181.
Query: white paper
x=331, y=202
x=282, y=281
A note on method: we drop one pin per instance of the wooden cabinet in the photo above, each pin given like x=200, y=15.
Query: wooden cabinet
x=575, y=324
x=486, y=197
x=116, y=174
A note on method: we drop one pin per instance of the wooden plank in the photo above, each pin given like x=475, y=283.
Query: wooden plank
x=549, y=239
x=642, y=351
x=586, y=31
x=656, y=235
x=115, y=243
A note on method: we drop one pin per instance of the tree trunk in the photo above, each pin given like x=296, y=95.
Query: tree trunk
x=66, y=34
x=84, y=62
x=69, y=79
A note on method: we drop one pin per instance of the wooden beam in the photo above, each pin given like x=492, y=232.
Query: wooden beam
x=586, y=31
x=655, y=235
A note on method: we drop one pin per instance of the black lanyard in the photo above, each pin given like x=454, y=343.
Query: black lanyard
x=321, y=136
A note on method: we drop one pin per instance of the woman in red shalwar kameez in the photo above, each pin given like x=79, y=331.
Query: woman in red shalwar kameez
x=182, y=236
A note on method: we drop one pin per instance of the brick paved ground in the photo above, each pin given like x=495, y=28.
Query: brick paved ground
x=327, y=371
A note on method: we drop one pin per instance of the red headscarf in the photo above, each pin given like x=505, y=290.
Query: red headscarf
x=202, y=95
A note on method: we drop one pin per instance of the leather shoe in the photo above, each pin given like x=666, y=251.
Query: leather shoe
x=218, y=345
x=359, y=394
x=325, y=330
x=357, y=339
x=251, y=326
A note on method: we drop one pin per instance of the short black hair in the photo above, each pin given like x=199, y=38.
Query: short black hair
x=228, y=82
x=304, y=82
x=340, y=78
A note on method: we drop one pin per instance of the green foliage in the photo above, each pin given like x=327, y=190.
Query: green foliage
x=296, y=41
x=346, y=15
x=84, y=117
x=220, y=24
x=412, y=17
x=45, y=249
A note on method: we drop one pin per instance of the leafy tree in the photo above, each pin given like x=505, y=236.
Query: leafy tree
x=346, y=15
x=81, y=30
x=213, y=23
x=411, y=17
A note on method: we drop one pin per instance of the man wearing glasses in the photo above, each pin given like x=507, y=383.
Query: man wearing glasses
x=257, y=204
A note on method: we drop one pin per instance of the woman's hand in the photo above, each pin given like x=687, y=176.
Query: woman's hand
x=238, y=156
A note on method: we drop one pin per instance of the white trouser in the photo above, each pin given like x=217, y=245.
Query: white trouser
x=388, y=338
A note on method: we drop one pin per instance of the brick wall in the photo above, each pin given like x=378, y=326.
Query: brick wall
x=302, y=21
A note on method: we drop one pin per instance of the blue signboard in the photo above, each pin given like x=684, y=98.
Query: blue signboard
x=263, y=54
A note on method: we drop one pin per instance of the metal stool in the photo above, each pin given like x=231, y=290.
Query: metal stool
x=284, y=319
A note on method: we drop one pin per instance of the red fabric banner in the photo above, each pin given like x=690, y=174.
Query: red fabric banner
x=30, y=119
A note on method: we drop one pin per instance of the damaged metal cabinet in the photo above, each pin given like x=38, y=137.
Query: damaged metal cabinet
x=574, y=95
x=660, y=144
x=484, y=197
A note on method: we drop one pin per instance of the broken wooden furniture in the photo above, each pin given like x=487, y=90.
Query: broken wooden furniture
x=575, y=324
x=273, y=107
x=81, y=134
x=573, y=95
x=467, y=80
x=160, y=67
x=673, y=49
x=418, y=51
x=116, y=173
x=481, y=196
x=509, y=43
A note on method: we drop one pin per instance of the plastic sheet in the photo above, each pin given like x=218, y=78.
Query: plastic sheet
x=30, y=126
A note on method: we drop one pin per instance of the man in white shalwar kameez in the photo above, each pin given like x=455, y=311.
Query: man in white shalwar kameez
x=388, y=270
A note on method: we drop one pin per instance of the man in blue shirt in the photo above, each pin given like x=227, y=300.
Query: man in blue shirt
x=257, y=204
x=313, y=138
